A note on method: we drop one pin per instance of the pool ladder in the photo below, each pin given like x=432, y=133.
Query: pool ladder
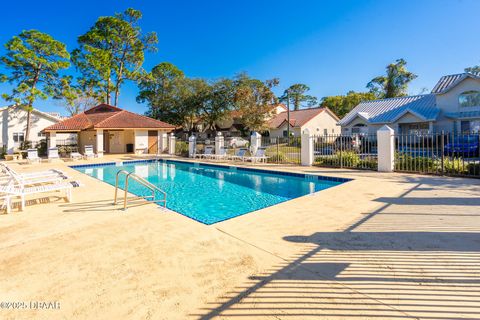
x=142, y=181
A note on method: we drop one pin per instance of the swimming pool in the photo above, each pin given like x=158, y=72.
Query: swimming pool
x=212, y=193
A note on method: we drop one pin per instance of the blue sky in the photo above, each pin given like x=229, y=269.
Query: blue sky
x=332, y=46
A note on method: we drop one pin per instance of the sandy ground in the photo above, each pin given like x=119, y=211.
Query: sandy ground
x=383, y=246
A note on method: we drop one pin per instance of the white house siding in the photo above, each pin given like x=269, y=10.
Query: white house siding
x=317, y=126
x=14, y=120
x=320, y=123
x=448, y=102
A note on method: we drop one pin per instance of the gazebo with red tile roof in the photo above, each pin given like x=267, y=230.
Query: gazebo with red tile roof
x=113, y=130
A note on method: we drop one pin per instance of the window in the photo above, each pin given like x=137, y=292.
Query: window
x=470, y=126
x=325, y=132
x=41, y=134
x=285, y=133
x=469, y=99
x=359, y=128
x=415, y=128
x=18, y=137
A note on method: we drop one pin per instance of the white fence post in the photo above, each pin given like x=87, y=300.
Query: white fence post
x=192, y=146
x=255, y=142
x=218, y=142
x=171, y=144
x=163, y=142
x=306, y=150
x=386, y=149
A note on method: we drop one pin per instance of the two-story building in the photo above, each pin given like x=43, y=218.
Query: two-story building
x=13, y=124
x=452, y=106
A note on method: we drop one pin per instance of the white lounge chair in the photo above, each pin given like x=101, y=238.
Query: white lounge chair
x=89, y=152
x=32, y=175
x=53, y=154
x=259, y=156
x=32, y=156
x=221, y=155
x=75, y=155
x=11, y=190
x=239, y=154
x=207, y=153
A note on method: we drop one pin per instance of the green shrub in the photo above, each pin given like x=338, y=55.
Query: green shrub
x=455, y=166
x=406, y=162
x=277, y=158
x=181, y=148
x=345, y=158
x=473, y=169
x=368, y=163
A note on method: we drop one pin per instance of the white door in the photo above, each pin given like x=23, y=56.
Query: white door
x=116, y=142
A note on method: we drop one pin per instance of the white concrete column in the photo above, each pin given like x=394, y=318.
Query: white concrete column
x=219, y=142
x=386, y=149
x=255, y=142
x=99, y=143
x=52, y=141
x=192, y=146
x=163, y=142
x=171, y=144
x=306, y=150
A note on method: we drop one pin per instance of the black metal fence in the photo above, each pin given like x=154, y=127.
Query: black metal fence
x=346, y=151
x=283, y=150
x=438, y=153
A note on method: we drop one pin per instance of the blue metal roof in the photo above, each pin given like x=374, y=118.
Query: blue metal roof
x=447, y=82
x=390, y=110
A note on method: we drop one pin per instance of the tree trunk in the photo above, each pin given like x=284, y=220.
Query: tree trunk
x=27, y=131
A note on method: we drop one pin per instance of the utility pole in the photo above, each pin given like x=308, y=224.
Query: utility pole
x=288, y=116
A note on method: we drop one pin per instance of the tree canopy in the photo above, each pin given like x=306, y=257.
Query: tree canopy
x=343, y=104
x=34, y=60
x=394, y=83
x=254, y=100
x=296, y=95
x=112, y=52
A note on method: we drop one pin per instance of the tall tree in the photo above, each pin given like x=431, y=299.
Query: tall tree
x=112, y=52
x=343, y=104
x=254, y=99
x=296, y=95
x=163, y=89
x=219, y=103
x=394, y=83
x=34, y=60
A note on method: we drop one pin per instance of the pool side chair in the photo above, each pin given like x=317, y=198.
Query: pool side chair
x=259, y=156
x=53, y=154
x=32, y=156
x=23, y=191
x=239, y=155
x=75, y=155
x=207, y=153
x=222, y=155
x=30, y=175
x=88, y=154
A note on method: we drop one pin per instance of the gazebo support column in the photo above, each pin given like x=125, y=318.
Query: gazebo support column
x=99, y=143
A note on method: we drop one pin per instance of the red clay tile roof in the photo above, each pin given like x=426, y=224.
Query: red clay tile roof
x=105, y=116
x=297, y=118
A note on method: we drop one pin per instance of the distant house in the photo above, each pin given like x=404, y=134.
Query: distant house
x=452, y=106
x=232, y=126
x=319, y=121
x=13, y=122
x=112, y=130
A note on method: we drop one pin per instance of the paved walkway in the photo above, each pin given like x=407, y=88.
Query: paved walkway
x=383, y=246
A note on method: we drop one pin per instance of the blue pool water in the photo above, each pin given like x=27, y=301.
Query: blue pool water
x=211, y=193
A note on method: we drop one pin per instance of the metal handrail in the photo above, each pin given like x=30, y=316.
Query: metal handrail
x=142, y=181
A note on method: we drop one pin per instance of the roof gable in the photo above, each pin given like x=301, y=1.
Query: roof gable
x=448, y=82
x=298, y=118
x=392, y=109
x=105, y=116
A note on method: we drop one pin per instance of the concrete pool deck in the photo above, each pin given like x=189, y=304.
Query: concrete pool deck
x=383, y=246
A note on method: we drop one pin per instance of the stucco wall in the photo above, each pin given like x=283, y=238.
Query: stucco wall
x=141, y=141
x=323, y=121
x=14, y=119
x=86, y=138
